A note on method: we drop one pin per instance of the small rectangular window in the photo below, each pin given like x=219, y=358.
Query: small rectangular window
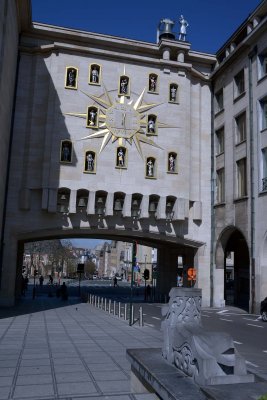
x=262, y=65
x=239, y=84
x=241, y=177
x=220, y=141
x=263, y=114
x=219, y=101
x=220, y=197
x=264, y=169
x=241, y=128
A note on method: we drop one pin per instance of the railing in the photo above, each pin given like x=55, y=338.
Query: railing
x=123, y=311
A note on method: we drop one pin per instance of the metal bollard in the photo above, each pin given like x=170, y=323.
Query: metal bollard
x=141, y=322
x=125, y=311
x=95, y=301
x=105, y=304
x=132, y=315
x=114, y=308
x=119, y=310
x=109, y=306
x=102, y=300
x=98, y=302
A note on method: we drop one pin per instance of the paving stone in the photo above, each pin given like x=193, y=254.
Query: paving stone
x=76, y=388
x=33, y=391
x=73, y=377
x=36, y=379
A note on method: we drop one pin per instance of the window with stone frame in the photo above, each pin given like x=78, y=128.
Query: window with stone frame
x=219, y=141
x=241, y=127
x=263, y=113
x=241, y=167
x=239, y=83
x=218, y=101
x=264, y=169
x=220, y=186
x=262, y=64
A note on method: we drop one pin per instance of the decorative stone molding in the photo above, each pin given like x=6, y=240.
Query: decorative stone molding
x=208, y=357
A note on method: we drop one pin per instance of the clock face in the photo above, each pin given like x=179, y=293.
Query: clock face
x=122, y=120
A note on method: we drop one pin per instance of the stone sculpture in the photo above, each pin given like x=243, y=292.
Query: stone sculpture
x=208, y=357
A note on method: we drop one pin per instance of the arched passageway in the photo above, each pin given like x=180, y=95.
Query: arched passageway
x=172, y=258
x=236, y=271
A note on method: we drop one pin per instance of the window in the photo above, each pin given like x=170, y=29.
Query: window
x=241, y=177
x=71, y=78
x=220, y=141
x=262, y=65
x=241, y=130
x=264, y=168
x=239, y=84
x=220, y=197
x=219, y=101
x=263, y=114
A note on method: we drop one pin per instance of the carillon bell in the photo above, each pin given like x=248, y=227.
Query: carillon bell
x=81, y=202
x=165, y=29
x=152, y=207
x=118, y=205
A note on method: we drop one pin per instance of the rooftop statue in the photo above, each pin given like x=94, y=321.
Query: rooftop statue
x=184, y=24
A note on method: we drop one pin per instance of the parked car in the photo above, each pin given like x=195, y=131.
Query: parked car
x=264, y=309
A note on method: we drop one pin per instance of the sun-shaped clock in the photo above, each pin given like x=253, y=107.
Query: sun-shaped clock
x=122, y=120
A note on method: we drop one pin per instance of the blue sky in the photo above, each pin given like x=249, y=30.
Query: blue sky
x=211, y=21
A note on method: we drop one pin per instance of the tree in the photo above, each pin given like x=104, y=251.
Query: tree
x=89, y=268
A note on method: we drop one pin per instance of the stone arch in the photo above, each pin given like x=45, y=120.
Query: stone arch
x=232, y=255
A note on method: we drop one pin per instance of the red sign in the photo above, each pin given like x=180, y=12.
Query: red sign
x=191, y=274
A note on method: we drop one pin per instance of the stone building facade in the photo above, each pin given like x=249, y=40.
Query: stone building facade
x=114, y=138
x=240, y=126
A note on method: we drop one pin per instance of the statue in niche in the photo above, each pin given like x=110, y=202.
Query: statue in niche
x=124, y=85
x=150, y=168
x=94, y=74
x=173, y=91
x=66, y=152
x=92, y=117
x=152, y=83
x=184, y=24
x=121, y=158
x=90, y=162
x=151, y=125
x=71, y=77
x=171, y=163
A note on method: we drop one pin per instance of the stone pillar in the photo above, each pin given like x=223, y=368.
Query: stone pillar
x=109, y=204
x=161, y=209
x=144, y=207
x=167, y=263
x=52, y=200
x=127, y=205
x=91, y=203
x=72, y=205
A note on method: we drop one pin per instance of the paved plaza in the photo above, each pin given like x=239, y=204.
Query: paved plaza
x=55, y=350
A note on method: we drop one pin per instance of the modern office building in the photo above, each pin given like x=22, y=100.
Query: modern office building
x=153, y=143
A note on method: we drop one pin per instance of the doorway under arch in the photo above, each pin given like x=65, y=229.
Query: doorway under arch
x=236, y=271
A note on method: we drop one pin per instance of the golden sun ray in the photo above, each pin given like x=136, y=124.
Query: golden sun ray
x=144, y=139
x=79, y=115
x=105, y=141
x=96, y=134
x=122, y=120
x=98, y=100
x=137, y=144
